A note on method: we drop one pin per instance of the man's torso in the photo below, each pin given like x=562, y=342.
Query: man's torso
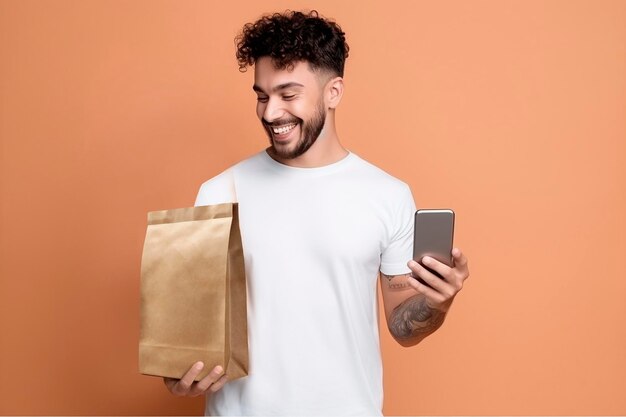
x=313, y=240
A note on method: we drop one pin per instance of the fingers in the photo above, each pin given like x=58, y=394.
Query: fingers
x=455, y=275
x=435, y=285
x=170, y=383
x=208, y=382
x=460, y=261
x=429, y=292
x=442, y=269
x=187, y=387
x=461, y=269
x=439, y=292
x=219, y=383
x=183, y=386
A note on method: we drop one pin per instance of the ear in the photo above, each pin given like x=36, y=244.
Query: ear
x=334, y=92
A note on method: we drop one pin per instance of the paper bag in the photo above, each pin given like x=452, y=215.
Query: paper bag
x=193, y=293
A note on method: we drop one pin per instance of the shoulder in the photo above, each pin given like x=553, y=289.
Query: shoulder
x=380, y=181
x=221, y=188
x=217, y=190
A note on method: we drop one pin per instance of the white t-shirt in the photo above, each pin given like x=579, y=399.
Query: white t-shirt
x=314, y=240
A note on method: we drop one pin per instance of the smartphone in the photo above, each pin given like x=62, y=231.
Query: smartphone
x=434, y=235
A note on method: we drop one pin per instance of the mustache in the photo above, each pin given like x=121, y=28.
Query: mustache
x=281, y=122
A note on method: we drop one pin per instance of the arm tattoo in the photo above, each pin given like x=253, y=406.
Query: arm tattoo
x=414, y=319
x=397, y=284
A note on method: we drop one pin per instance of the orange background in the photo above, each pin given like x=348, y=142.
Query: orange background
x=510, y=112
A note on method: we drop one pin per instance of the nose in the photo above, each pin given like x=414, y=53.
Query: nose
x=272, y=110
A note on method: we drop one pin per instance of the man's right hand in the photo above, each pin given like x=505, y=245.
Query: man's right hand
x=186, y=387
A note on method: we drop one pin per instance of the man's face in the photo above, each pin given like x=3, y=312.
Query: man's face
x=290, y=105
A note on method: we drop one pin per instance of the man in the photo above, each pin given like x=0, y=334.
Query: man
x=318, y=224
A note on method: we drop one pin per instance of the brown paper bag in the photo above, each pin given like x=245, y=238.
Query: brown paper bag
x=193, y=293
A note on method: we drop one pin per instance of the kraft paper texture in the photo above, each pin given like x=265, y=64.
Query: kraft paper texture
x=193, y=293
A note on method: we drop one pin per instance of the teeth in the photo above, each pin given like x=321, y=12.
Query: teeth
x=283, y=129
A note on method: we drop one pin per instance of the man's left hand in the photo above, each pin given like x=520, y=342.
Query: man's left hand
x=440, y=292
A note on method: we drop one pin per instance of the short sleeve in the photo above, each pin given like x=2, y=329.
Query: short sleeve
x=399, y=250
x=219, y=189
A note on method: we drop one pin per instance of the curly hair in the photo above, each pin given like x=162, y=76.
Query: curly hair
x=291, y=37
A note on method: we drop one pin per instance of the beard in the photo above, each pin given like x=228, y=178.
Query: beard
x=309, y=132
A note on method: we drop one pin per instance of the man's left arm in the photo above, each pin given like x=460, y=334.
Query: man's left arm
x=415, y=310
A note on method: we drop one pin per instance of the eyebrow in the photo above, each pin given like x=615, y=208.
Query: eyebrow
x=278, y=87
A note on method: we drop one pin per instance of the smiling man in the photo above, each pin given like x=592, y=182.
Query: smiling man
x=296, y=105
x=319, y=227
